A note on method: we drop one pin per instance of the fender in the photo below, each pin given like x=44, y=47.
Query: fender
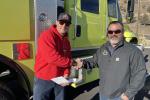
x=17, y=69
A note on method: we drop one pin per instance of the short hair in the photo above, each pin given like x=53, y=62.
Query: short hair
x=116, y=22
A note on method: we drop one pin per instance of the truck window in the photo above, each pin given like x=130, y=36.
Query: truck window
x=113, y=9
x=91, y=6
x=60, y=7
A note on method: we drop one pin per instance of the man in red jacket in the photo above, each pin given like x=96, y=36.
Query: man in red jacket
x=53, y=59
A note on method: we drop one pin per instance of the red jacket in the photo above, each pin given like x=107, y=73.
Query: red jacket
x=53, y=57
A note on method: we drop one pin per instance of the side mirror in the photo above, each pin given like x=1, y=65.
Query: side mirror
x=130, y=10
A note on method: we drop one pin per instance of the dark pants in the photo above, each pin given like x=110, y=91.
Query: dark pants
x=47, y=90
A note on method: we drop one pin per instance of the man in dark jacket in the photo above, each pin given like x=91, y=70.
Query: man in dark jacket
x=53, y=59
x=122, y=66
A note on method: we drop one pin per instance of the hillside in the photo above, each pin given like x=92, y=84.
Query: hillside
x=141, y=24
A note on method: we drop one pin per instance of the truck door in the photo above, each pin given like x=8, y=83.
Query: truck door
x=89, y=17
x=88, y=30
x=45, y=15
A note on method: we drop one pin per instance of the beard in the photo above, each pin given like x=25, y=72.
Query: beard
x=114, y=39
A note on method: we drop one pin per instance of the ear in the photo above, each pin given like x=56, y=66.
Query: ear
x=57, y=22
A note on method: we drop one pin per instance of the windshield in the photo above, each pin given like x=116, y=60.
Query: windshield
x=113, y=9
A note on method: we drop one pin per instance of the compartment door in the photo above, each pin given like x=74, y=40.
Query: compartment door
x=14, y=20
x=45, y=15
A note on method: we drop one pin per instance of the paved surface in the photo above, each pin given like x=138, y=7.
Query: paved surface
x=93, y=93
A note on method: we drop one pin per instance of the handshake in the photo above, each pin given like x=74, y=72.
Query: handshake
x=77, y=63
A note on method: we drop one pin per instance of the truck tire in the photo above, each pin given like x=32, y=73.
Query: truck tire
x=6, y=93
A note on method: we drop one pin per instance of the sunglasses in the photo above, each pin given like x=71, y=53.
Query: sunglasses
x=62, y=22
x=114, y=31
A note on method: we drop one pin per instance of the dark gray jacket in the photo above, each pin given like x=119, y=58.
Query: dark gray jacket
x=122, y=70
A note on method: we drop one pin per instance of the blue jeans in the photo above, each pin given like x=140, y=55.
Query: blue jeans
x=47, y=90
x=102, y=97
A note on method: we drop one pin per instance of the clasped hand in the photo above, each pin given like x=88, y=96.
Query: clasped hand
x=78, y=63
